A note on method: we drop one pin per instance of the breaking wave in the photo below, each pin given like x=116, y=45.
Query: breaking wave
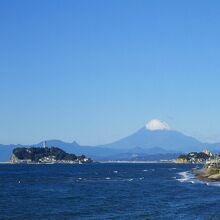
x=189, y=177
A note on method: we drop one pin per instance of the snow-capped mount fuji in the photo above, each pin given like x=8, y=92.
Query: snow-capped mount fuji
x=155, y=138
x=158, y=135
x=156, y=124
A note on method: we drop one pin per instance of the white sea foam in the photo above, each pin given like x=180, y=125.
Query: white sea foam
x=145, y=170
x=115, y=171
x=185, y=176
x=107, y=178
x=213, y=184
x=172, y=168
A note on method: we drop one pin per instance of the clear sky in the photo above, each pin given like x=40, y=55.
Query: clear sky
x=95, y=71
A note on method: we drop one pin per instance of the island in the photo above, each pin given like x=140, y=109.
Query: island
x=46, y=155
x=194, y=157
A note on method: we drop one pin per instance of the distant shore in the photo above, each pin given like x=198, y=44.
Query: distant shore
x=110, y=161
x=137, y=161
x=7, y=162
x=32, y=163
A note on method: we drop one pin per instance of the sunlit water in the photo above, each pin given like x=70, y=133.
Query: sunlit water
x=106, y=191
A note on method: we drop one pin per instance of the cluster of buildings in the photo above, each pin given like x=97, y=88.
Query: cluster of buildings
x=205, y=157
x=213, y=161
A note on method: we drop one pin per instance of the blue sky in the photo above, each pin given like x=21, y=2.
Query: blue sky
x=95, y=71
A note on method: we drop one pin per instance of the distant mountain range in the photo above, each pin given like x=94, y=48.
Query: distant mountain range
x=146, y=143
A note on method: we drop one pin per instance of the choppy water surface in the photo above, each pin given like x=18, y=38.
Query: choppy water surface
x=106, y=191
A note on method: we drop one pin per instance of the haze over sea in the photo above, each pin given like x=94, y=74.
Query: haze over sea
x=106, y=191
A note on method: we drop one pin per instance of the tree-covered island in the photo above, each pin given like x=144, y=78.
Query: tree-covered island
x=46, y=155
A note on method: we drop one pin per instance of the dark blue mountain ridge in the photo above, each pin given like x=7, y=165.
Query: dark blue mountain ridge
x=143, y=142
x=169, y=140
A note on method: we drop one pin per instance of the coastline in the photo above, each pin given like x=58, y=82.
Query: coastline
x=11, y=163
x=102, y=162
x=136, y=161
x=7, y=162
x=208, y=175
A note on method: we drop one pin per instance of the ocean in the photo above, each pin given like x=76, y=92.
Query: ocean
x=106, y=191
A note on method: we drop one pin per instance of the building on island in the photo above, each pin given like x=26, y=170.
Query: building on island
x=44, y=144
x=207, y=152
x=214, y=163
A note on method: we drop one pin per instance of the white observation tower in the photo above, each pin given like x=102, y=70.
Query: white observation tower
x=44, y=144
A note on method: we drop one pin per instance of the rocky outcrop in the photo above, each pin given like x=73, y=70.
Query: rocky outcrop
x=208, y=174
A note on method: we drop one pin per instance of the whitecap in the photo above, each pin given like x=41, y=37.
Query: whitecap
x=189, y=177
x=172, y=168
x=185, y=176
x=213, y=184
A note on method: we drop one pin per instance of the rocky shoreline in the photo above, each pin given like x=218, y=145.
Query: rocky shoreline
x=207, y=174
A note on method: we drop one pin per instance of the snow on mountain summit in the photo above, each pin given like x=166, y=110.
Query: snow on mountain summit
x=156, y=124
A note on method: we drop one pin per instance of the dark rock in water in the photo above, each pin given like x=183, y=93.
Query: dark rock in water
x=46, y=155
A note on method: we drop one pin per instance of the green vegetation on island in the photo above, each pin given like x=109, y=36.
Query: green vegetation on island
x=46, y=155
x=194, y=157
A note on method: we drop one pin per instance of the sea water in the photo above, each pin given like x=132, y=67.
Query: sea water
x=106, y=191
